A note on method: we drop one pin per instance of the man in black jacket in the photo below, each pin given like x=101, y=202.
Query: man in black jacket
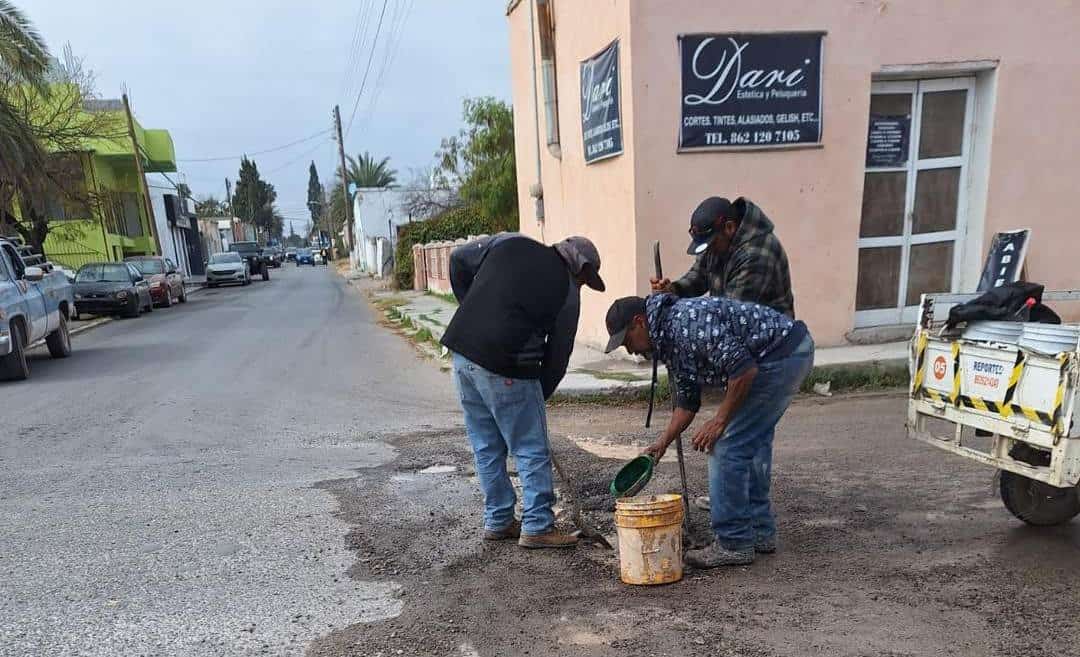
x=511, y=338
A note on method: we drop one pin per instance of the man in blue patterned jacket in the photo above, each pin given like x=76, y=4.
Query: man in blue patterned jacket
x=761, y=357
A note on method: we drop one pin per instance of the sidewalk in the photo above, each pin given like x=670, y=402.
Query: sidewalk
x=591, y=372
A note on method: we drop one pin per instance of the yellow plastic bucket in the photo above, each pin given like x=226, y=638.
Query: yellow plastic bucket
x=650, y=539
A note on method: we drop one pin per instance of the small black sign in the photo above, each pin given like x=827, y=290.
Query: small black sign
x=601, y=124
x=1005, y=261
x=887, y=143
x=750, y=90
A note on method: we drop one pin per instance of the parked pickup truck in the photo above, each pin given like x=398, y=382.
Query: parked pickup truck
x=258, y=263
x=34, y=304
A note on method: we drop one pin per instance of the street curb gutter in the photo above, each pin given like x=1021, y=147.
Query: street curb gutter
x=94, y=323
x=89, y=325
x=849, y=379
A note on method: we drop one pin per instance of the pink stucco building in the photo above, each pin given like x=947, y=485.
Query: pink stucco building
x=886, y=139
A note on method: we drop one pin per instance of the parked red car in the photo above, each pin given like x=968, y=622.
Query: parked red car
x=166, y=280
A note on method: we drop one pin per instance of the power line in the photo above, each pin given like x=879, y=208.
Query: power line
x=360, y=29
x=262, y=152
x=397, y=29
x=299, y=157
x=367, y=70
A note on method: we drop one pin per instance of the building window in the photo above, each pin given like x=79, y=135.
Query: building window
x=131, y=220
x=545, y=18
x=66, y=196
x=913, y=205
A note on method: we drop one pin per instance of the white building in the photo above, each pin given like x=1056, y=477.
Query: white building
x=376, y=214
x=175, y=224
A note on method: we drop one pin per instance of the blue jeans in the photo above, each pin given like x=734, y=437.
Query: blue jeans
x=507, y=415
x=740, y=466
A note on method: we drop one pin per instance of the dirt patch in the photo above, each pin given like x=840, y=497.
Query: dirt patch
x=888, y=547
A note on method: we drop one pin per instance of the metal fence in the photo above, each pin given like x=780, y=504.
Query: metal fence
x=72, y=254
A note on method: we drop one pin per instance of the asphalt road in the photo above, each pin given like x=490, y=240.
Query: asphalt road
x=156, y=489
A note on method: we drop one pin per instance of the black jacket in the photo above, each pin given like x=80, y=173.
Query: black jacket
x=518, y=311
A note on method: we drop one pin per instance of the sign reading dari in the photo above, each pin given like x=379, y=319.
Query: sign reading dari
x=601, y=125
x=750, y=90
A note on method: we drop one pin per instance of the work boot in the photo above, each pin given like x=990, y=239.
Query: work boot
x=513, y=530
x=714, y=555
x=765, y=545
x=553, y=538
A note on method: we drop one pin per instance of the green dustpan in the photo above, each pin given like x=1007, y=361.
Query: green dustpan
x=633, y=477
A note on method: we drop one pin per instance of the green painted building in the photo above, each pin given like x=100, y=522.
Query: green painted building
x=110, y=220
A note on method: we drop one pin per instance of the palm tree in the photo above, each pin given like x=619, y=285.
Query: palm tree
x=24, y=60
x=364, y=171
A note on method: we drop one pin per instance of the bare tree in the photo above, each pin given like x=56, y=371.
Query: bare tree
x=428, y=195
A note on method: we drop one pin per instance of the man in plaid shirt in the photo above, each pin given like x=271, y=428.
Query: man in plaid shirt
x=738, y=256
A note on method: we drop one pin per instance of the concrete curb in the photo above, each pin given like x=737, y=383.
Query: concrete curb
x=854, y=370
x=94, y=323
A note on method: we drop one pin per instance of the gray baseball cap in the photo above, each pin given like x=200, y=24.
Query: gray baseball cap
x=582, y=258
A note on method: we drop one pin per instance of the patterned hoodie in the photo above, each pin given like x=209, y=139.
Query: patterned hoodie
x=704, y=341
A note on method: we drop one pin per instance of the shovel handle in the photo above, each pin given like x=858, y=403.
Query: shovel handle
x=658, y=267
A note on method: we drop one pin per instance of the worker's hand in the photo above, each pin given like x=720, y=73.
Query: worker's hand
x=708, y=434
x=660, y=284
x=656, y=450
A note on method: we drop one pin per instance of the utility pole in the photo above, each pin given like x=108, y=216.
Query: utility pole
x=232, y=211
x=144, y=189
x=344, y=185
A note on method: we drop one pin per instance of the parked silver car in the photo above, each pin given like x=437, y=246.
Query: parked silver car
x=224, y=268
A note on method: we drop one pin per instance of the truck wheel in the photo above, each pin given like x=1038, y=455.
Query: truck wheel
x=59, y=341
x=1036, y=503
x=14, y=366
x=266, y=273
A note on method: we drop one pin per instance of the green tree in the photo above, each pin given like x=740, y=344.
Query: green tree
x=364, y=171
x=334, y=220
x=253, y=199
x=276, y=229
x=481, y=160
x=24, y=58
x=315, y=195
x=210, y=207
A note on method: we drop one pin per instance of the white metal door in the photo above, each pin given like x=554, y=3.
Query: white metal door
x=914, y=212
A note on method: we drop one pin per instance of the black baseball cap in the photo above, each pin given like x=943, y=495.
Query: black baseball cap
x=618, y=319
x=703, y=220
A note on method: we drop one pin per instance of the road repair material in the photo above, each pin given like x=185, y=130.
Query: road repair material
x=587, y=531
x=650, y=539
x=633, y=477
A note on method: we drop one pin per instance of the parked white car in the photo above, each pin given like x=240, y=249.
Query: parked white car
x=227, y=268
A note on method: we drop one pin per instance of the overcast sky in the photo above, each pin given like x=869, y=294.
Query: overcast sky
x=227, y=77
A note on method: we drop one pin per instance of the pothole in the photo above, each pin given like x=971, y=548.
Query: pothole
x=439, y=469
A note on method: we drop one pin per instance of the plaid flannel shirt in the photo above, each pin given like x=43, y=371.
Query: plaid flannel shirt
x=755, y=269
